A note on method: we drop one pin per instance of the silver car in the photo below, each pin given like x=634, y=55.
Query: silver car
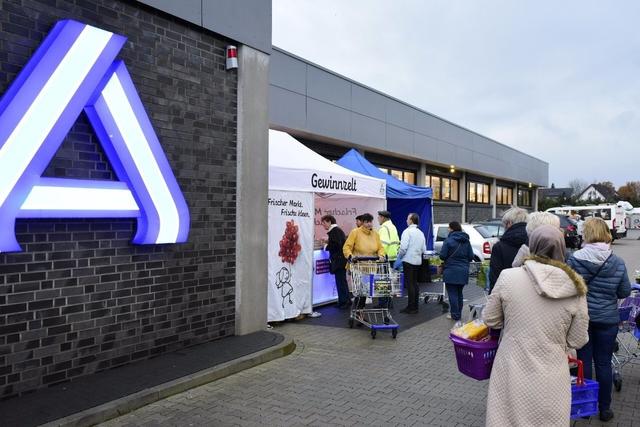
x=480, y=237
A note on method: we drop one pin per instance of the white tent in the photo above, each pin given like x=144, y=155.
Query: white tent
x=303, y=185
x=294, y=167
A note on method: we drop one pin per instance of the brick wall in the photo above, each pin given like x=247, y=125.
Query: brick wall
x=477, y=213
x=445, y=213
x=80, y=298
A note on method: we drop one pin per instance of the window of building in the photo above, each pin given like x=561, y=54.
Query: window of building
x=524, y=197
x=403, y=175
x=477, y=192
x=504, y=195
x=444, y=188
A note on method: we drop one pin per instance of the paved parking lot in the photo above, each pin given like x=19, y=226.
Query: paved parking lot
x=340, y=376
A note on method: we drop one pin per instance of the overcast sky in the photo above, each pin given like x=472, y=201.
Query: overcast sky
x=559, y=80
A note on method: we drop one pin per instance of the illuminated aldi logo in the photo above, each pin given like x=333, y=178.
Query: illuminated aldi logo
x=76, y=69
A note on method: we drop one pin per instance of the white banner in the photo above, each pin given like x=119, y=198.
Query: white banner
x=345, y=210
x=327, y=182
x=290, y=249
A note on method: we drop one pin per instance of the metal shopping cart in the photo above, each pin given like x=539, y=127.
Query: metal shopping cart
x=373, y=278
x=628, y=339
x=479, y=275
x=434, y=290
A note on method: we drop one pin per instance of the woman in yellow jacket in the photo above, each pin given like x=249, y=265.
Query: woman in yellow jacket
x=363, y=241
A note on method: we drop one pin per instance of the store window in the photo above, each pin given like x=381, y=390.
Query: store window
x=524, y=198
x=444, y=188
x=403, y=175
x=504, y=195
x=477, y=192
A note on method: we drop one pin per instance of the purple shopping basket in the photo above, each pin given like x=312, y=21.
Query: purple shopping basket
x=475, y=358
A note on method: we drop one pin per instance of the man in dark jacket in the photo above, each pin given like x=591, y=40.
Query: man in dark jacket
x=504, y=252
x=337, y=261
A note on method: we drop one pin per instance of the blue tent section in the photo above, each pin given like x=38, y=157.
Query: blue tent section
x=402, y=198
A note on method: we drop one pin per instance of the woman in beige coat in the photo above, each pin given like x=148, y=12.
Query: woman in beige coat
x=542, y=311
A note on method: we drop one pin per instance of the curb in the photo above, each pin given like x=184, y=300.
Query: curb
x=145, y=397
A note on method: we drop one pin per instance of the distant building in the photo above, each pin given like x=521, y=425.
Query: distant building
x=555, y=193
x=597, y=192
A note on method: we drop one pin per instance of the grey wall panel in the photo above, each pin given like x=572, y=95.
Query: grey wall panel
x=446, y=153
x=189, y=10
x=399, y=140
x=399, y=114
x=367, y=102
x=424, y=123
x=368, y=132
x=287, y=109
x=464, y=158
x=287, y=72
x=425, y=147
x=328, y=87
x=340, y=108
x=328, y=120
x=248, y=21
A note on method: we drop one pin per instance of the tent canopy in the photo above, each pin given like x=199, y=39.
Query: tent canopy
x=402, y=198
x=294, y=167
x=396, y=189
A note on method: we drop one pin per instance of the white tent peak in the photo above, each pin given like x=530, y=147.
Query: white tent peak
x=292, y=166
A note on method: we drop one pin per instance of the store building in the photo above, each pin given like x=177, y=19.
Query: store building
x=76, y=295
x=473, y=177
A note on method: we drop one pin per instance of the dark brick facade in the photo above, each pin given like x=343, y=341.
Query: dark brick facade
x=477, y=213
x=446, y=212
x=81, y=298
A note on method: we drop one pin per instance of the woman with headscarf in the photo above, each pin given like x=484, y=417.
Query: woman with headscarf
x=542, y=310
x=607, y=280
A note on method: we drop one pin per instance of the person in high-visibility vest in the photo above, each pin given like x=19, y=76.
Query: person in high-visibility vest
x=391, y=244
x=388, y=235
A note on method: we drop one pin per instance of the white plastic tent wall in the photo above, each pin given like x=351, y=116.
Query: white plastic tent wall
x=294, y=167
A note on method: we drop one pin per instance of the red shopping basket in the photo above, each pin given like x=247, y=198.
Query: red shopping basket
x=475, y=358
x=584, y=394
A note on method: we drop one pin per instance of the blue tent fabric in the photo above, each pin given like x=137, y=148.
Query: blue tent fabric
x=402, y=198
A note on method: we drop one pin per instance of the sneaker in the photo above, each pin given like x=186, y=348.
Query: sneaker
x=449, y=316
x=315, y=314
x=606, y=415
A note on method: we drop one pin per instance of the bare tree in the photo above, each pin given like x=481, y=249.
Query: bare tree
x=578, y=186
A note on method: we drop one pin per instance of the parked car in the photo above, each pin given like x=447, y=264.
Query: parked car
x=480, y=237
x=570, y=229
x=494, y=226
x=613, y=215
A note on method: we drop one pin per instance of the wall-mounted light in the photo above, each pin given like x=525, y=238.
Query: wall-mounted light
x=232, y=57
x=452, y=168
x=530, y=185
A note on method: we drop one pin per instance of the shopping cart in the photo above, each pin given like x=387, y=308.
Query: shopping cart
x=479, y=275
x=434, y=290
x=373, y=278
x=628, y=339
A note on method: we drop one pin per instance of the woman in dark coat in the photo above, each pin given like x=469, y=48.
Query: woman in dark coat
x=456, y=253
x=504, y=252
x=607, y=281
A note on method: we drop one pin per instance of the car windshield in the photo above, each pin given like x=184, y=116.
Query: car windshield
x=485, y=231
x=494, y=230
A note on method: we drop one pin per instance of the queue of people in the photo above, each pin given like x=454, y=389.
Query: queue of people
x=550, y=304
x=547, y=303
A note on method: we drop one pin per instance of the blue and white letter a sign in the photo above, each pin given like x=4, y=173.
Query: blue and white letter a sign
x=75, y=68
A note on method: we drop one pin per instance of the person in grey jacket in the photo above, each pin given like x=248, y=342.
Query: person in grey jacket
x=456, y=253
x=607, y=281
x=412, y=246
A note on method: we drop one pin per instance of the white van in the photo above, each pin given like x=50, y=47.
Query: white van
x=613, y=215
